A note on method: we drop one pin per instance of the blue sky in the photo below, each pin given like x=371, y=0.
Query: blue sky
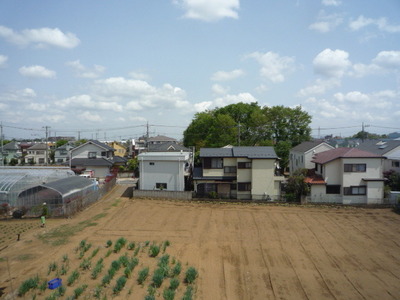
x=107, y=68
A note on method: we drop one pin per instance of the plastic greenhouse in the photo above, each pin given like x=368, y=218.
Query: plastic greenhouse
x=14, y=180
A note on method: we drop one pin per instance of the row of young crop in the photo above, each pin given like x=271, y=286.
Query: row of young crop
x=100, y=282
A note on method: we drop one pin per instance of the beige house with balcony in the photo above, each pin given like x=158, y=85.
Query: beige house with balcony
x=248, y=173
x=347, y=176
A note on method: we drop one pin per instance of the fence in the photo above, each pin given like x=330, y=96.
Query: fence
x=162, y=194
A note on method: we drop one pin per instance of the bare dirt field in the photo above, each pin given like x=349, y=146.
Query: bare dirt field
x=242, y=251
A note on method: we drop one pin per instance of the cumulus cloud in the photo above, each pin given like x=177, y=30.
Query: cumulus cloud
x=219, y=89
x=331, y=63
x=319, y=87
x=3, y=60
x=226, y=76
x=90, y=116
x=381, y=23
x=331, y=2
x=209, y=10
x=22, y=96
x=139, y=76
x=86, y=101
x=40, y=37
x=37, y=72
x=273, y=66
x=224, y=100
x=384, y=62
x=326, y=23
x=85, y=72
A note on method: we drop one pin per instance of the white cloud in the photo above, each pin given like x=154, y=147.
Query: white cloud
x=223, y=101
x=384, y=62
x=3, y=60
x=85, y=72
x=37, y=72
x=326, y=23
x=226, y=76
x=320, y=87
x=40, y=37
x=219, y=89
x=140, y=76
x=36, y=106
x=209, y=10
x=18, y=96
x=90, y=116
x=331, y=2
x=331, y=63
x=353, y=97
x=86, y=101
x=381, y=23
x=273, y=66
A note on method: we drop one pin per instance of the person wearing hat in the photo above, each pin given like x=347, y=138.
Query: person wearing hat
x=44, y=214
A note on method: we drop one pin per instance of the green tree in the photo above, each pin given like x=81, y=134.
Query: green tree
x=282, y=149
x=296, y=186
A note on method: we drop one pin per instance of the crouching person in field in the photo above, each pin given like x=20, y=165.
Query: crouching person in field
x=43, y=215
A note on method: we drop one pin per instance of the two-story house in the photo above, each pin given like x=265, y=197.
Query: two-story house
x=120, y=150
x=11, y=151
x=37, y=154
x=388, y=148
x=168, y=171
x=93, y=155
x=301, y=155
x=347, y=176
x=62, y=154
x=239, y=173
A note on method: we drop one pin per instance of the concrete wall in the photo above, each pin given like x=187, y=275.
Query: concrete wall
x=163, y=194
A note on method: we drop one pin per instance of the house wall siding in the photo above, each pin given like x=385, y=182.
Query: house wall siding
x=83, y=152
x=263, y=183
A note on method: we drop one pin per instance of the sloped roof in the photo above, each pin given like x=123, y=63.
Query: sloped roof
x=379, y=146
x=161, y=138
x=168, y=146
x=330, y=155
x=101, y=161
x=95, y=142
x=11, y=146
x=249, y=152
x=38, y=146
x=307, y=146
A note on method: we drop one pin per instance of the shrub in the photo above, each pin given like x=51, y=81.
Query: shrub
x=79, y=291
x=106, y=279
x=190, y=275
x=154, y=250
x=176, y=270
x=108, y=252
x=116, y=265
x=149, y=297
x=109, y=243
x=43, y=285
x=174, y=283
x=158, y=278
x=73, y=277
x=85, y=264
x=188, y=295
x=52, y=267
x=61, y=291
x=169, y=294
x=131, y=246
x=136, y=250
x=119, y=285
x=119, y=244
x=165, y=245
x=98, y=268
x=142, y=275
x=31, y=283
x=97, y=292
x=124, y=260
x=95, y=251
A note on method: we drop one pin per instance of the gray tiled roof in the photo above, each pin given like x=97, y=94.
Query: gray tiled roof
x=379, y=147
x=330, y=155
x=249, y=152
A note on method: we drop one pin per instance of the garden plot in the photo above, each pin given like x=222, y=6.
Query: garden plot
x=240, y=251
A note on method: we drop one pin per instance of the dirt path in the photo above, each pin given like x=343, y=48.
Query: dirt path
x=243, y=251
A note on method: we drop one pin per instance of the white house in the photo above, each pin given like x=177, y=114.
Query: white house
x=164, y=170
x=38, y=154
x=300, y=156
x=347, y=176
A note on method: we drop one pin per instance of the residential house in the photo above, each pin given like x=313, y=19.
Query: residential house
x=301, y=155
x=388, y=148
x=168, y=147
x=119, y=149
x=160, y=139
x=93, y=155
x=62, y=153
x=238, y=172
x=11, y=151
x=347, y=176
x=37, y=154
x=168, y=171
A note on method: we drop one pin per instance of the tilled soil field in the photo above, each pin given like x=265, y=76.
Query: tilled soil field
x=241, y=251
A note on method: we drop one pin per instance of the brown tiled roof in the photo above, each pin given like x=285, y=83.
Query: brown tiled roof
x=327, y=156
x=313, y=178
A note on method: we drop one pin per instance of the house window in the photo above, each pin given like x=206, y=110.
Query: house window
x=333, y=189
x=396, y=164
x=104, y=154
x=233, y=187
x=244, y=165
x=151, y=164
x=212, y=163
x=230, y=169
x=244, y=186
x=161, y=186
x=355, y=190
x=355, y=167
x=92, y=155
x=41, y=160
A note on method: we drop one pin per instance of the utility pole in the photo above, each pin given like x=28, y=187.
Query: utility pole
x=239, y=134
x=1, y=138
x=363, y=131
x=147, y=136
x=47, y=144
